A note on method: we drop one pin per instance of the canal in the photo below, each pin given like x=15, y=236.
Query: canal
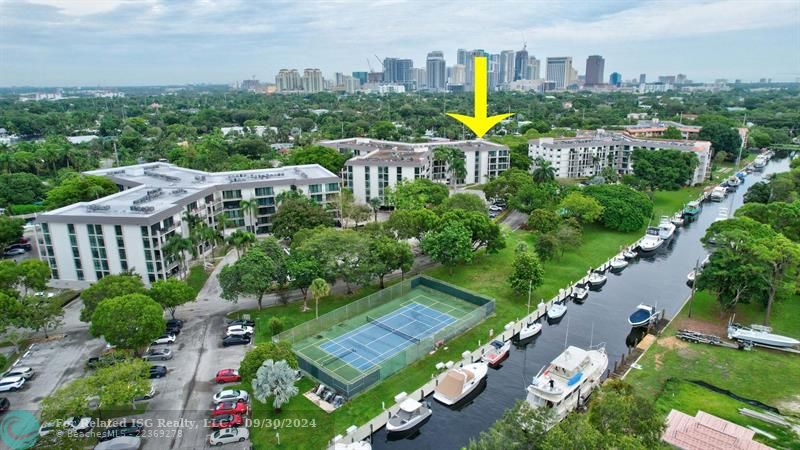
x=659, y=279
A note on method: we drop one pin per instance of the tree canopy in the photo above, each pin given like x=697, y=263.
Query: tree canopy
x=663, y=169
x=297, y=213
x=624, y=209
x=130, y=321
x=419, y=193
x=109, y=286
x=79, y=188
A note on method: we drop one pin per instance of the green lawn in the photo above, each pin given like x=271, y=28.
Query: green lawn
x=197, y=277
x=669, y=202
x=486, y=274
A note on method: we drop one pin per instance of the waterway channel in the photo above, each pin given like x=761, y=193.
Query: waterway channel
x=657, y=279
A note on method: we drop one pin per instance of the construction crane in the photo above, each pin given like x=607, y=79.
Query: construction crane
x=369, y=64
x=380, y=61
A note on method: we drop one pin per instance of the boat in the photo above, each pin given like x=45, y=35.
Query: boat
x=643, y=315
x=410, y=414
x=651, y=240
x=597, y=279
x=734, y=181
x=458, y=382
x=556, y=311
x=690, y=277
x=629, y=253
x=760, y=334
x=666, y=229
x=718, y=194
x=579, y=294
x=498, y=351
x=568, y=381
x=741, y=175
x=530, y=330
x=677, y=220
x=618, y=263
x=760, y=162
x=691, y=210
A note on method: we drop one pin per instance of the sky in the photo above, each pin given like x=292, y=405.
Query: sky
x=156, y=42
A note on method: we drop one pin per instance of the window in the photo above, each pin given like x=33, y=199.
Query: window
x=383, y=180
x=264, y=191
x=51, y=261
x=123, y=256
x=228, y=195
x=416, y=172
x=98, y=247
x=366, y=183
x=265, y=201
x=399, y=174
x=348, y=180
x=332, y=187
x=315, y=188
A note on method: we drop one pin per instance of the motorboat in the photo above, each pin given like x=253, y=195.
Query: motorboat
x=718, y=194
x=691, y=211
x=643, y=316
x=410, y=414
x=568, y=381
x=734, y=181
x=760, y=334
x=458, y=382
x=677, y=220
x=530, y=330
x=760, y=162
x=498, y=351
x=597, y=279
x=690, y=277
x=629, y=253
x=666, y=229
x=651, y=240
x=556, y=311
x=618, y=263
x=579, y=294
x=741, y=175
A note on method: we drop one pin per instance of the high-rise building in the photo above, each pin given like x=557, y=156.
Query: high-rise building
x=338, y=79
x=351, y=84
x=595, y=64
x=419, y=78
x=389, y=70
x=506, y=66
x=680, y=79
x=493, y=66
x=461, y=57
x=436, y=69
x=288, y=80
x=312, y=80
x=469, y=82
x=533, y=68
x=666, y=79
x=521, y=64
x=361, y=77
x=615, y=79
x=559, y=71
x=642, y=78
x=404, y=73
x=459, y=75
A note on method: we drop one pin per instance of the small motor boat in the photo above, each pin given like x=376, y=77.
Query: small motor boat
x=618, y=263
x=556, y=311
x=677, y=220
x=597, y=279
x=458, y=382
x=530, y=330
x=579, y=294
x=410, y=414
x=690, y=277
x=629, y=253
x=497, y=353
x=643, y=315
x=760, y=334
x=651, y=240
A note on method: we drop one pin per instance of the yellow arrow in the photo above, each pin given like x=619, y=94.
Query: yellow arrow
x=479, y=123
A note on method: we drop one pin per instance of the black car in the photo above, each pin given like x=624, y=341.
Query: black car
x=235, y=340
x=4, y=404
x=173, y=330
x=243, y=322
x=158, y=371
x=124, y=429
x=175, y=323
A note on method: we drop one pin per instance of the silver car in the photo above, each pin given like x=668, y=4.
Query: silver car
x=158, y=354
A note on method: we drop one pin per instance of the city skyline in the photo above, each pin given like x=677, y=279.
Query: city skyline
x=56, y=43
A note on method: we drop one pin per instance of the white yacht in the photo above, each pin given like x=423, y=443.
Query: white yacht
x=458, y=382
x=651, y=240
x=568, y=380
x=718, y=194
x=410, y=414
x=666, y=229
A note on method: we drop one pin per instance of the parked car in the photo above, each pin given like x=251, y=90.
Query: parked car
x=158, y=371
x=126, y=428
x=42, y=294
x=4, y=404
x=173, y=330
x=224, y=408
x=23, y=245
x=227, y=376
x=228, y=435
x=11, y=384
x=245, y=322
x=239, y=330
x=231, y=395
x=121, y=443
x=78, y=424
x=13, y=252
x=157, y=354
x=174, y=323
x=164, y=339
x=235, y=340
x=226, y=421
x=150, y=394
x=24, y=372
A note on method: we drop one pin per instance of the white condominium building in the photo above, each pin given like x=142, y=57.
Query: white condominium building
x=377, y=164
x=586, y=156
x=125, y=231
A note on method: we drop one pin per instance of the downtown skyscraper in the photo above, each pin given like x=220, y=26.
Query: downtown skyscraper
x=436, y=71
x=559, y=71
x=521, y=64
x=595, y=65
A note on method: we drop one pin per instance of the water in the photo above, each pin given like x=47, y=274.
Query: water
x=659, y=279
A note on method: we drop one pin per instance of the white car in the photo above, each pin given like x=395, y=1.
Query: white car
x=239, y=330
x=228, y=435
x=231, y=395
x=150, y=394
x=11, y=384
x=78, y=424
x=24, y=372
x=164, y=339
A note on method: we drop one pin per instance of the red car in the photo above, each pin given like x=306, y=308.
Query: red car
x=226, y=408
x=227, y=376
x=226, y=421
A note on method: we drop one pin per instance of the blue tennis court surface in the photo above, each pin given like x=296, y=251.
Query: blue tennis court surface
x=370, y=344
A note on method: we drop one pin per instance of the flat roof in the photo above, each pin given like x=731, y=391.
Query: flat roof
x=157, y=190
x=403, y=153
x=608, y=138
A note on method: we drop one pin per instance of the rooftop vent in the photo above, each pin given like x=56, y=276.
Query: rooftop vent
x=151, y=195
x=142, y=209
x=92, y=208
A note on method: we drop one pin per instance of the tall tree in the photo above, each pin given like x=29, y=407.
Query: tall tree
x=296, y=214
x=253, y=274
x=302, y=269
x=388, y=255
x=10, y=230
x=109, y=287
x=411, y=223
x=171, y=293
x=250, y=210
x=319, y=288
x=465, y=201
x=177, y=247
x=454, y=160
x=241, y=240
x=419, y=193
x=79, y=188
x=449, y=245
x=527, y=272
x=129, y=322
x=33, y=275
x=375, y=205
x=543, y=171
x=40, y=313
x=584, y=209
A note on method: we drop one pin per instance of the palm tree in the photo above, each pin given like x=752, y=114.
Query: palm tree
x=205, y=234
x=250, y=208
x=192, y=220
x=176, y=247
x=375, y=204
x=241, y=240
x=319, y=288
x=544, y=171
x=223, y=222
x=454, y=158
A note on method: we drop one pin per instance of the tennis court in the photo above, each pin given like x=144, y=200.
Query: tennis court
x=363, y=342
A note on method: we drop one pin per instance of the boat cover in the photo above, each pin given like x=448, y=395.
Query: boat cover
x=452, y=385
x=575, y=378
x=640, y=316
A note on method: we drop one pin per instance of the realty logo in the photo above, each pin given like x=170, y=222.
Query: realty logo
x=19, y=430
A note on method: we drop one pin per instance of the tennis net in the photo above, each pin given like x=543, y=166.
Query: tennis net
x=392, y=329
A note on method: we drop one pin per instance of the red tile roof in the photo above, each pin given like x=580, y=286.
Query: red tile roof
x=707, y=432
